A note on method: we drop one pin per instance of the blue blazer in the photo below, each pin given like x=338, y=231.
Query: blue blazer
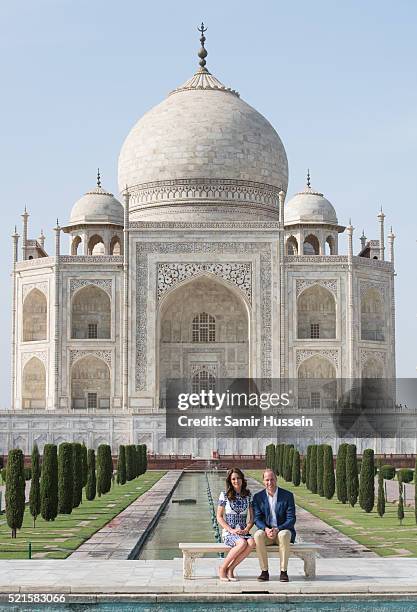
x=285, y=511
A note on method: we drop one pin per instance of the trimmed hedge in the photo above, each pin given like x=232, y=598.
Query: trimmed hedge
x=352, y=481
x=65, y=478
x=91, y=486
x=15, y=490
x=367, y=481
x=328, y=472
x=49, y=483
x=341, y=487
x=35, y=490
x=405, y=475
x=388, y=472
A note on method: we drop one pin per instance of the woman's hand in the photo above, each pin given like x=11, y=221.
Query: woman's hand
x=234, y=531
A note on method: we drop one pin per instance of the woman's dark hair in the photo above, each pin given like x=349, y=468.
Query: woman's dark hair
x=230, y=491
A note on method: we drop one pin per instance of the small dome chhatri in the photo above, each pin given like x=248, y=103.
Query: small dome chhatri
x=309, y=207
x=97, y=206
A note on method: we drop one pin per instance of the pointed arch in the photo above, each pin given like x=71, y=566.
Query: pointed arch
x=35, y=315
x=96, y=245
x=91, y=313
x=90, y=383
x=330, y=246
x=311, y=245
x=34, y=384
x=292, y=246
x=115, y=246
x=76, y=241
x=372, y=315
x=316, y=313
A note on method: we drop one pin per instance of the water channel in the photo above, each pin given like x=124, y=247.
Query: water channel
x=185, y=522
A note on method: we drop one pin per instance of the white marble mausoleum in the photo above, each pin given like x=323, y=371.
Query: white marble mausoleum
x=202, y=268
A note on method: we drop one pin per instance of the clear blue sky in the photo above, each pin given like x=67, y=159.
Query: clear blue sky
x=337, y=80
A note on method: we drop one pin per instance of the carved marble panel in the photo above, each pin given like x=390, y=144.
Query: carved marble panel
x=42, y=355
x=41, y=285
x=78, y=283
x=330, y=284
x=239, y=274
x=104, y=354
x=331, y=354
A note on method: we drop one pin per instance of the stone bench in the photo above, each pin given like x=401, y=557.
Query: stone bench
x=193, y=550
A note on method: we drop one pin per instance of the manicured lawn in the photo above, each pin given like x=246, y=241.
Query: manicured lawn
x=384, y=535
x=59, y=538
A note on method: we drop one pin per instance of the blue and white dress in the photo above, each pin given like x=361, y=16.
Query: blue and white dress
x=235, y=515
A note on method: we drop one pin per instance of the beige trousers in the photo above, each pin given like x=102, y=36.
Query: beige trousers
x=282, y=539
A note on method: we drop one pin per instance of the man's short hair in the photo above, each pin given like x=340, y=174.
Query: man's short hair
x=268, y=470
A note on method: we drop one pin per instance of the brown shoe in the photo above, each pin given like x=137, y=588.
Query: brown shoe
x=263, y=576
x=284, y=577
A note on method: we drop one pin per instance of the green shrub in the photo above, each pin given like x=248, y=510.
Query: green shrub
x=77, y=474
x=15, y=490
x=313, y=469
x=290, y=458
x=84, y=464
x=308, y=462
x=367, y=481
x=104, y=469
x=91, y=486
x=65, y=478
x=49, y=483
x=352, y=481
x=304, y=469
x=296, y=475
x=269, y=457
x=388, y=472
x=35, y=492
x=320, y=455
x=341, y=488
x=27, y=473
x=381, y=494
x=405, y=475
x=400, y=508
x=328, y=472
x=121, y=465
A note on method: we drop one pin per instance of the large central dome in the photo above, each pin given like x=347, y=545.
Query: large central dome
x=201, y=146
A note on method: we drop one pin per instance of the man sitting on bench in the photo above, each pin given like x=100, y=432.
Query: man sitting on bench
x=274, y=513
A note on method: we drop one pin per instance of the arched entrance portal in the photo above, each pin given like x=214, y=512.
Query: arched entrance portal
x=203, y=336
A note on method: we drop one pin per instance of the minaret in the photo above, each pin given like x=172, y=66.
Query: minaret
x=282, y=299
x=15, y=238
x=350, y=318
x=125, y=362
x=363, y=240
x=41, y=239
x=57, y=334
x=391, y=238
x=381, y=218
x=25, y=217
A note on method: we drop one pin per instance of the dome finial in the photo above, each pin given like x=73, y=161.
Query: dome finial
x=308, y=179
x=202, y=54
x=98, y=178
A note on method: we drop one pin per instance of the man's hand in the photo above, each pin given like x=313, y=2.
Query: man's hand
x=271, y=532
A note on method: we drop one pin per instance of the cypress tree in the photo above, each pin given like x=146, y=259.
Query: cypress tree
x=49, y=483
x=77, y=474
x=320, y=458
x=381, y=492
x=341, y=487
x=15, y=490
x=35, y=493
x=367, y=481
x=121, y=465
x=145, y=458
x=352, y=482
x=307, y=466
x=303, y=469
x=65, y=478
x=138, y=460
x=415, y=491
x=269, y=457
x=296, y=476
x=84, y=463
x=400, y=509
x=276, y=461
x=91, y=486
x=288, y=471
x=328, y=472
x=104, y=469
x=130, y=462
x=313, y=469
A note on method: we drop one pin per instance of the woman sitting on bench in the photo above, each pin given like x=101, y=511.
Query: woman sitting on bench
x=235, y=515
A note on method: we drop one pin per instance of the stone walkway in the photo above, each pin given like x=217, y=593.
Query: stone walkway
x=347, y=577
x=312, y=529
x=123, y=536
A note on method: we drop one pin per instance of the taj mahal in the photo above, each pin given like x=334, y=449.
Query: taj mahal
x=203, y=268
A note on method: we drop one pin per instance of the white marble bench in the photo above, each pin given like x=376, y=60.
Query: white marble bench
x=193, y=550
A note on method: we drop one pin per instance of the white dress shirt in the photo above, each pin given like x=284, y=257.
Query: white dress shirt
x=272, y=500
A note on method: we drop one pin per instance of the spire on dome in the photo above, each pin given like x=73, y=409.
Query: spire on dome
x=308, y=179
x=202, y=54
x=98, y=178
x=203, y=79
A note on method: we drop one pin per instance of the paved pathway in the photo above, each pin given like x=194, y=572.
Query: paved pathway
x=120, y=538
x=312, y=529
x=349, y=577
